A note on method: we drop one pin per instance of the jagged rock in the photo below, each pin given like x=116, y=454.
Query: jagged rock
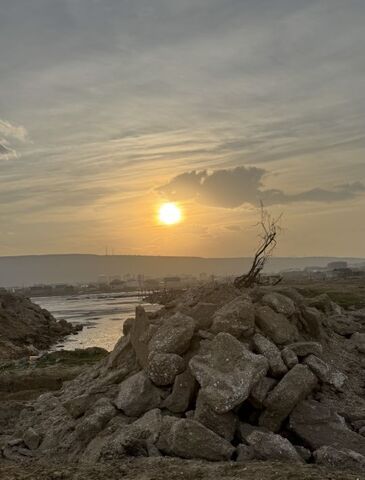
x=245, y=429
x=124, y=357
x=182, y=393
x=162, y=368
x=222, y=424
x=297, y=384
x=358, y=339
x=280, y=303
x=190, y=439
x=289, y=357
x=90, y=425
x=203, y=313
x=245, y=453
x=318, y=426
x=227, y=371
x=311, y=319
x=137, y=395
x=343, y=325
x=236, y=318
x=31, y=439
x=127, y=325
x=77, y=406
x=342, y=459
x=140, y=335
x=269, y=446
x=324, y=303
x=261, y=390
x=174, y=335
x=272, y=353
x=275, y=326
x=323, y=371
x=303, y=349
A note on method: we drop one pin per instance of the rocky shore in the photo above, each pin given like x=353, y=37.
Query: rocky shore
x=26, y=328
x=216, y=375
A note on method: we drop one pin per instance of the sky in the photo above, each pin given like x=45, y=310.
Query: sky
x=108, y=108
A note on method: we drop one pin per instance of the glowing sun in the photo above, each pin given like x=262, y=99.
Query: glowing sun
x=169, y=214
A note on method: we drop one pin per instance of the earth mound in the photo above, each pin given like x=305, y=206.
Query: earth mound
x=26, y=328
x=217, y=374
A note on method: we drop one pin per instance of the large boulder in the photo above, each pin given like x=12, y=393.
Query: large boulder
x=261, y=390
x=182, y=393
x=224, y=424
x=311, y=319
x=140, y=334
x=137, y=395
x=269, y=446
x=236, y=318
x=267, y=348
x=358, y=340
x=190, y=439
x=342, y=459
x=227, y=371
x=303, y=349
x=203, y=313
x=324, y=372
x=324, y=303
x=162, y=368
x=297, y=384
x=319, y=426
x=275, y=325
x=174, y=335
x=280, y=303
x=344, y=325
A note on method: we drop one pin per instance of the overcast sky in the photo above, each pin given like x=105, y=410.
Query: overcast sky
x=110, y=107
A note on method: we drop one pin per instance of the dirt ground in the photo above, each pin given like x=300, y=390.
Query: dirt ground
x=171, y=469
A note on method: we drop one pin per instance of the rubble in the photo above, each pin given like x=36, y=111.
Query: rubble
x=218, y=375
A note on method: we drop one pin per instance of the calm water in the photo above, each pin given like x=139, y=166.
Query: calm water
x=102, y=314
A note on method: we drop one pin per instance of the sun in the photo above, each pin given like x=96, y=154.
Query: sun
x=169, y=214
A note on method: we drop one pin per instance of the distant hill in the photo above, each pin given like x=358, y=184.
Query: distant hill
x=75, y=268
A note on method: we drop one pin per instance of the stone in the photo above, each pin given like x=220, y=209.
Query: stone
x=324, y=303
x=140, y=335
x=227, y=372
x=269, y=446
x=280, y=303
x=289, y=357
x=245, y=429
x=358, y=339
x=311, y=319
x=245, y=453
x=190, y=439
x=31, y=439
x=182, y=393
x=303, y=349
x=137, y=395
x=324, y=372
x=174, y=335
x=261, y=390
x=162, y=368
x=275, y=326
x=305, y=453
x=89, y=426
x=318, y=425
x=77, y=406
x=203, y=313
x=297, y=384
x=343, y=325
x=269, y=350
x=224, y=424
x=127, y=325
x=341, y=459
x=236, y=318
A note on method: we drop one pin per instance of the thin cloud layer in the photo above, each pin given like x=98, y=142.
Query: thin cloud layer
x=232, y=188
x=10, y=134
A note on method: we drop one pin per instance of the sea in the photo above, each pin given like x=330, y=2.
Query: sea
x=101, y=314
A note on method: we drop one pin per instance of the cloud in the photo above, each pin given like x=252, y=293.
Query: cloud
x=9, y=134
x=231, y=188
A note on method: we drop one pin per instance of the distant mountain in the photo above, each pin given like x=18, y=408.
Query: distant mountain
x=75, y=268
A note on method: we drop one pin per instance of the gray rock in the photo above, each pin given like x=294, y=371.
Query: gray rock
x=174, y=335
x=162, y=368
x=140, y=335
x=77, y=406
x=90, y=425
x=245, y=453
x=280, y=303
x=227, y=372
x=319, y=426
x=245, y=429
x=303, y=349
x=203, y=313
x=305, y=453
x=31, y=439
x=311, y=319
x=267, y=348
x=123, y=357
x=358, y=339
x=261, y=390
x=182, y=393
x=236, y=318
x=324, y=303
x=190, y=439
x=269, y=446
x=342, y=459
x=127, y=325
x=343, y=325
x=324, y=372
x=297, y=384
x=137, y=395
x=275, y=326
x=224, y=424
x=289, y=357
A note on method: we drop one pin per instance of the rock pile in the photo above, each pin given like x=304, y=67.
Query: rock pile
x=26, y=328
x=217, y=374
